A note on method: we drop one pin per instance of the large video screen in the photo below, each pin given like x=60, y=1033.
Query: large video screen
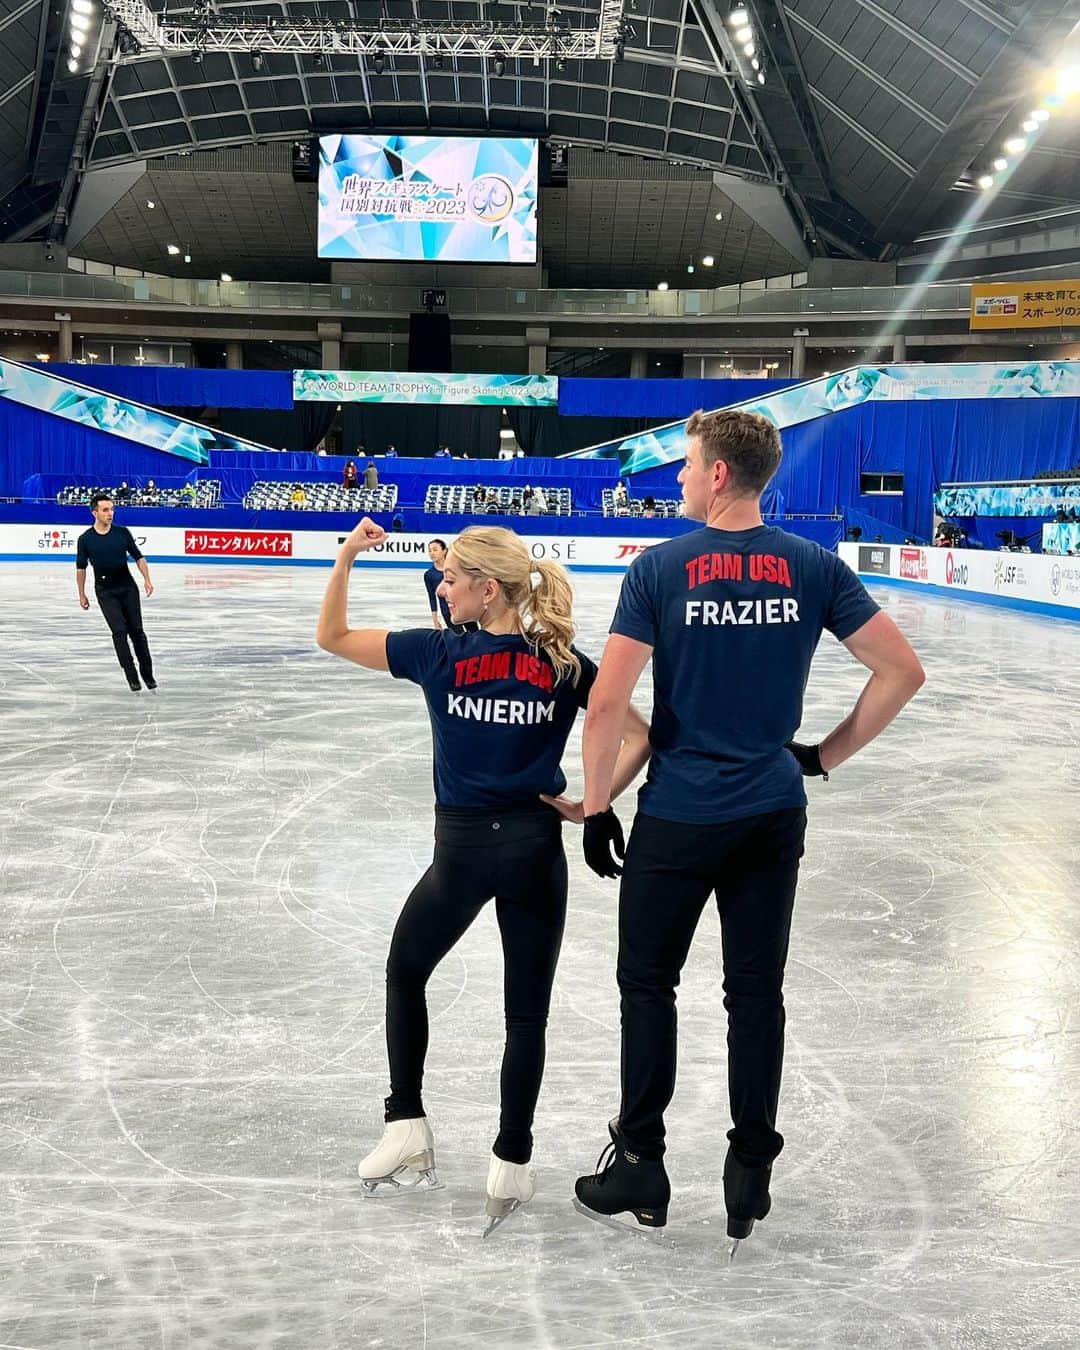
x=428, y=198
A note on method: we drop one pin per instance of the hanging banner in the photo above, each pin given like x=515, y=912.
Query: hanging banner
x=147, y=427
x=849, y=389
x=1025, y=304
x=388, y=386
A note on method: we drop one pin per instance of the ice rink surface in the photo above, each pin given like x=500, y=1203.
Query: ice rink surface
x=198, y=892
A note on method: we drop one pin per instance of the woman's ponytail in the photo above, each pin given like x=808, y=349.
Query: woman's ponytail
x=548, y=618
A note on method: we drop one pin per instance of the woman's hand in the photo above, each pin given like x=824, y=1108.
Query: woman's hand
x=366, y=535
x=574, y=812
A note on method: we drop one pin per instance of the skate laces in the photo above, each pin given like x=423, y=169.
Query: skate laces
x=605, y=1162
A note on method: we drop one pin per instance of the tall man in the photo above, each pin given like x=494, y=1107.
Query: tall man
x=730, y=616
x=106, y=547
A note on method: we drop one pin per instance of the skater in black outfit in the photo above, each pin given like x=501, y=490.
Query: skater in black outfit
x=433, y=576
x=730, y=616
x=502, y=700
x=106, y=547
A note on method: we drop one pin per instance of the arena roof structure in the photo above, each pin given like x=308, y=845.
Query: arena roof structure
x=760, y=134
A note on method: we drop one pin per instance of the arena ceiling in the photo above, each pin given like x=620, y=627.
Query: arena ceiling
x=875, y=120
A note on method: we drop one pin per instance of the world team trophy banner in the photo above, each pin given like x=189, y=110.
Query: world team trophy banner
x=1006, y=499
x=384, y=386
x=147, y=427
x=1025, y=304
x=428, y=198
x=852, y=388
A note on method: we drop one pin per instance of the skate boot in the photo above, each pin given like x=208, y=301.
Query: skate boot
x=133, y=684
x=403, y=1160
x=625, y=1183
x=509, y=1186
x=746, y=1197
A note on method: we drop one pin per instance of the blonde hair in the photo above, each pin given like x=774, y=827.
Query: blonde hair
x=545, y=610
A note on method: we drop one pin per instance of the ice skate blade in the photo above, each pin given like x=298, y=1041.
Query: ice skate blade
x=427, y=1180
x=497, y=1211
x=733, y=1252
x=656, y=1236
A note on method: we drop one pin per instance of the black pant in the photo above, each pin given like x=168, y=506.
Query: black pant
x=123, y=614
x=516, y=857
x=670, y=870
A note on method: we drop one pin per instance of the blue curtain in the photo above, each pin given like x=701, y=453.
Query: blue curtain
x=657, y=400
x=179, y=387
x=33, y=442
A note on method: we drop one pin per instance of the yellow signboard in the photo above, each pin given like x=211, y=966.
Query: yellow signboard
x=1026, y=304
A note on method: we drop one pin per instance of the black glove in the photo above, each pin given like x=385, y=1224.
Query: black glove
x=809, y=757
x=602, y=833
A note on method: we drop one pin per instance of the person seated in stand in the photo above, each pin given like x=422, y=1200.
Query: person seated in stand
x=297, y=498
x=622, y=497
x=123, y=492
x=444, y=452
x=479, y=495
x=390, y=452
x=540, y=498
x=527, y=495
x=188, y=494
x=493, y=507
x=649, y=508
x=350, y=479
x=151, y=493
x=532, y=506
x=513, y=508
x=371, y=475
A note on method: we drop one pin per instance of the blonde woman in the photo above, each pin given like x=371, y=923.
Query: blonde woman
x=502, y=700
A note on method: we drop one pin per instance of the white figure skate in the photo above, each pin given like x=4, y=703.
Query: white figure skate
x=404, y=1159
x=509, y=1186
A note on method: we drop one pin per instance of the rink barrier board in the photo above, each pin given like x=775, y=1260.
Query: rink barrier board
x=1033, y=583
x=54, y=542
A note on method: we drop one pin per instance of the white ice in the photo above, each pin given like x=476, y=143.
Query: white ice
x=198, y=889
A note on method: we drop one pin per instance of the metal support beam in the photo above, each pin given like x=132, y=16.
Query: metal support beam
x=382, y=37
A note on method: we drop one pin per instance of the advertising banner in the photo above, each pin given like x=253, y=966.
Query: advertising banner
x=57, y=543
x=385, y=386
x=1025, y=304
x=428, y=198
x=147, y=427
x=1007, y=499
x=852, y=388
x=1034, y=577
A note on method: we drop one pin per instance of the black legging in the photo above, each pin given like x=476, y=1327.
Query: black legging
x=516, y=857
x=123, y=614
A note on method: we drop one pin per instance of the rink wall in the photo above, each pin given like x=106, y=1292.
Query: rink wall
x=1035, y=582
x=310, y=539
x=52, y=542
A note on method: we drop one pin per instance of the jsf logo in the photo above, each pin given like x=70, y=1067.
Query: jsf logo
x=1006, y=574
x=56, y=539
x=956, y=574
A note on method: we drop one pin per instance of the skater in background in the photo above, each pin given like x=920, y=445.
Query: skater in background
x=106, y=548
x=730, y=617
x=502, y=700
x=433, y=575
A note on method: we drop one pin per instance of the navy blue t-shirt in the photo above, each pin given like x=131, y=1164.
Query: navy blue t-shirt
x=107, y=554
x=499, y=720
x=433, y=580
x=734, y=617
